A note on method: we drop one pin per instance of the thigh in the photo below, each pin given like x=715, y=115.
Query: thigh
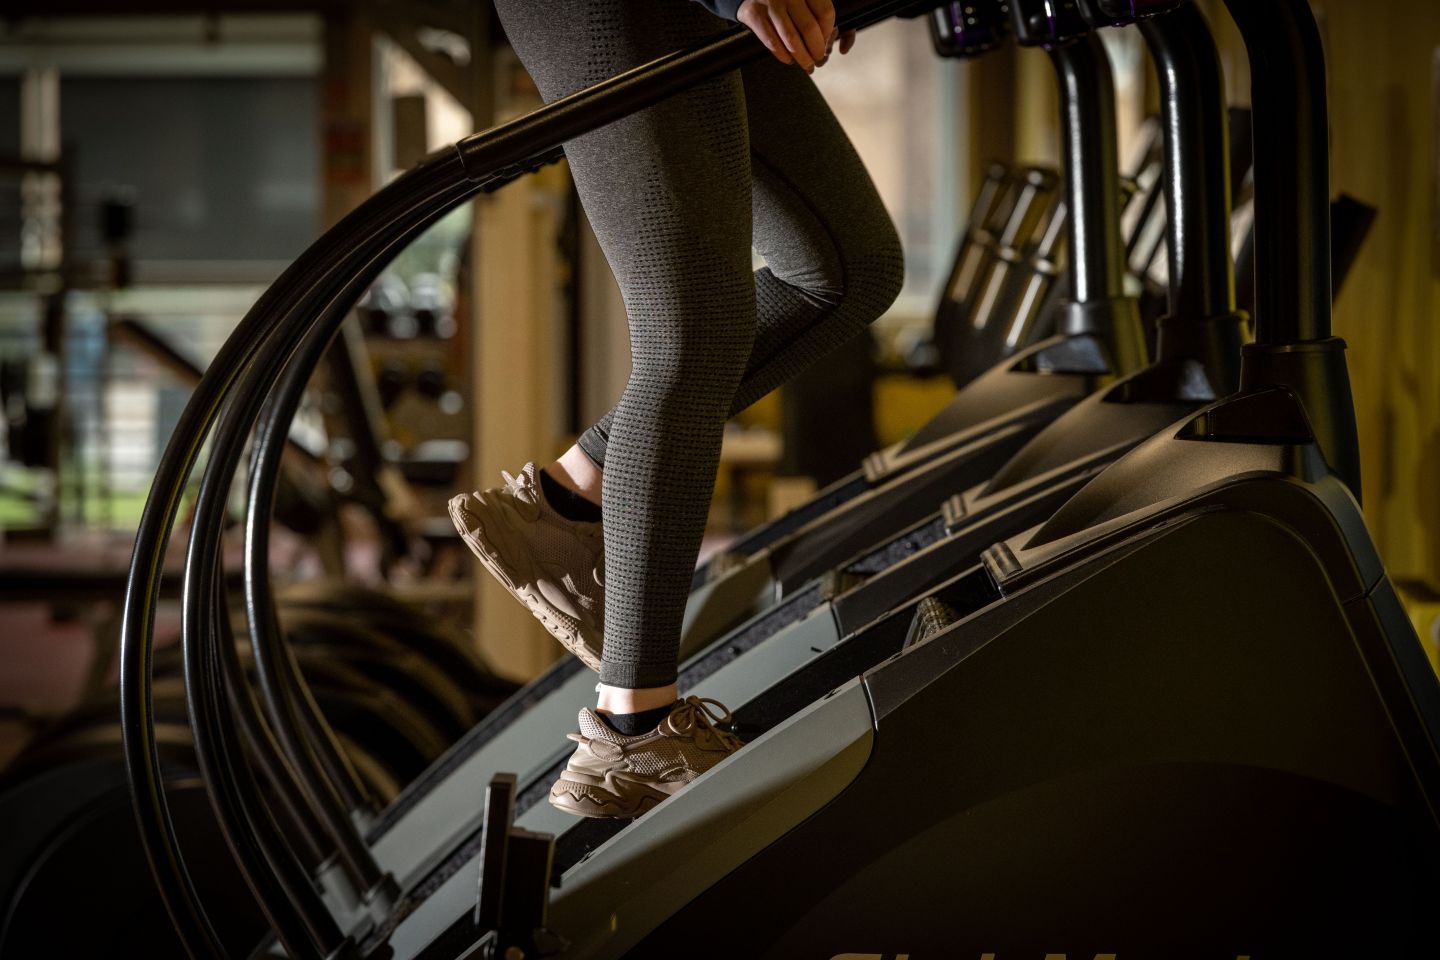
x=667, y=190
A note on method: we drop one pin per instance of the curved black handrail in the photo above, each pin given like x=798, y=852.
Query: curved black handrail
x=1197, y=160
x=289, y=803
x=313, y=745
x=480, y=158
x=306, y=929
x=1092, y=165
x=284, y=692
x=321, y=768
x=1293, y=345
x=137, y=627
x=263, y=856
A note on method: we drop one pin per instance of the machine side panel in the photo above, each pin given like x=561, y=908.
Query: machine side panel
x=720, y=605
x=1163, y=756
x=418, y=841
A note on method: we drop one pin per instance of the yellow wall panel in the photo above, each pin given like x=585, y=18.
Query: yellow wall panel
x=1382, y=79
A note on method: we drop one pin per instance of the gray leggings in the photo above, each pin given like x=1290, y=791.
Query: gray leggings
x=677, y=195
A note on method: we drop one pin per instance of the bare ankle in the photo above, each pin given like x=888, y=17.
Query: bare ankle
x=575, y=471
x=625, y=700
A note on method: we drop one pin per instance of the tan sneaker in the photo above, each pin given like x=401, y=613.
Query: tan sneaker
x=550, y=564
x=618, y=777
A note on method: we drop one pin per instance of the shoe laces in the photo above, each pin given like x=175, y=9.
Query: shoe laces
x=698, y=716
x=523, y=486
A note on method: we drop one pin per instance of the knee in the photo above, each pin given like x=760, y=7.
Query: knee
x=697, y=356
x=874, y=271
x=869, y=267
x=857, y=272
x=837, y=247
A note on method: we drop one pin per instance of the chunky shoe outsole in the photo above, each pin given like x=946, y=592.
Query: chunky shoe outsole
x=465, y=513
x=614, y=798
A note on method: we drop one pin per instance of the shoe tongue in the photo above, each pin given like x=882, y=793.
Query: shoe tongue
x=527, y=484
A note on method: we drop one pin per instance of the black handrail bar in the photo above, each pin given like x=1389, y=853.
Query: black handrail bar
x=1292, y=168
x=1201, y=320
x=1293, y=344
x=333, y=289
x=1197, y=178
x=1091, y=169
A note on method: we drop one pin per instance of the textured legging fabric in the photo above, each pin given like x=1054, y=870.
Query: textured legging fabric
x=677, y=195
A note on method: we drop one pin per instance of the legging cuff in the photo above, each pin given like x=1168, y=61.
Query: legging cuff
x=593, y=443
x=637, y=676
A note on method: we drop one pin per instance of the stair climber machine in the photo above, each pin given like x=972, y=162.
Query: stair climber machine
x=1186, y=716
x=1210, y=712
x=418, y=832
x=1179, y=713
x=792, y=655
x=345, y=906
x=1145, y=765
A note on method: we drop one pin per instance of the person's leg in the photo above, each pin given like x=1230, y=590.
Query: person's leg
x=667, y=192
x=577, y=473
x=833, y=259
x=834, y=265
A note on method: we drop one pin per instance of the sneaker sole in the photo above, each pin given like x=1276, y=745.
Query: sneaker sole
x=614, y=798
x=516, y=584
